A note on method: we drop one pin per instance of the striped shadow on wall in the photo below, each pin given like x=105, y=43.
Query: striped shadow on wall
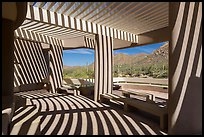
x=89, y=42
x=29, y=63
x=185, y=75
x=30, y=66
x=56, y=65
x=103, y=65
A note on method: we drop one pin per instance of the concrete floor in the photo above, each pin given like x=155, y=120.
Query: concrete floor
x=56, y=114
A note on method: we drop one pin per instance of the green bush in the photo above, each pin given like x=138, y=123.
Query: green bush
x=159, y=70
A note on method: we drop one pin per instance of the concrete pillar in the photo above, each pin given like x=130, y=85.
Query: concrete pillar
x=13, y=14
x=7, y=59
x=10, y=21
x=103, y=66
x=185, y=72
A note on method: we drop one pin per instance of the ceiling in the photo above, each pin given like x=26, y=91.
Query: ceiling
x=52, y=30
x=133, y=17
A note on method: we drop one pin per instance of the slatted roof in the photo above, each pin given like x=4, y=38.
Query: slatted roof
x=51, y=30
x=120, y=20
x=133, y=17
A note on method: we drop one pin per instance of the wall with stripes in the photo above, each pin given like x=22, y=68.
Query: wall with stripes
x=55, y=56
x=89, y=42
x=185, y=73
x=29, y=63
x=56, y=65
x=103, y=65
x=30, y=66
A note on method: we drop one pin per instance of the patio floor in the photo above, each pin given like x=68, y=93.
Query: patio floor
x=56, y=114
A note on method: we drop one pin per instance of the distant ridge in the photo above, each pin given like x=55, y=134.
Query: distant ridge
x=159, y=55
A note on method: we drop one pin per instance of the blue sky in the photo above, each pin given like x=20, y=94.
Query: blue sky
x=141, y=49
x=83, y=56
x=78, y=57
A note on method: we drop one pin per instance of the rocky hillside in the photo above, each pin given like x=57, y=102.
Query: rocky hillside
x=128, y=59
x=160, y=55
x=162, y=51
x=137, y=65
x=142, y=65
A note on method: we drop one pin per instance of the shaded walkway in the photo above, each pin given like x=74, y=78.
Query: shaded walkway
x=75, y=115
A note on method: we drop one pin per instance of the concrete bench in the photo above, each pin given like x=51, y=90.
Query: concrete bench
x=68, y=90
x=152, y=108
x=104, y=98
x=7, y=114
x=148, y=97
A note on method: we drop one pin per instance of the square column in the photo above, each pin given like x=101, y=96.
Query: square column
x=103, y=65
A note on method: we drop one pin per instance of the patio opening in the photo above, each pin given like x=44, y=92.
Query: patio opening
x=141, y=73
x=78, y=71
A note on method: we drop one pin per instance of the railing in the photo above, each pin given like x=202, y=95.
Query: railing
x=135, y=80
x=141, y=80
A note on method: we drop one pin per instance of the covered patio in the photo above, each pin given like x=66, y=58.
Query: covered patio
x=36, y=33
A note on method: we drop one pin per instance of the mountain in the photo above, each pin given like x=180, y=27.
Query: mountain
x=142, y=65
x=71, y=67
x=154, y=64
x=121, y=58
x=159, y=55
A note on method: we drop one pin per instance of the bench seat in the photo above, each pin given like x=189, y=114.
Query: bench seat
x=104, y=98
x=152, y=108
x=147, y=96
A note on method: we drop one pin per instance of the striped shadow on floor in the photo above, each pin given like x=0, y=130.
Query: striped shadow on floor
x=75, y=115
